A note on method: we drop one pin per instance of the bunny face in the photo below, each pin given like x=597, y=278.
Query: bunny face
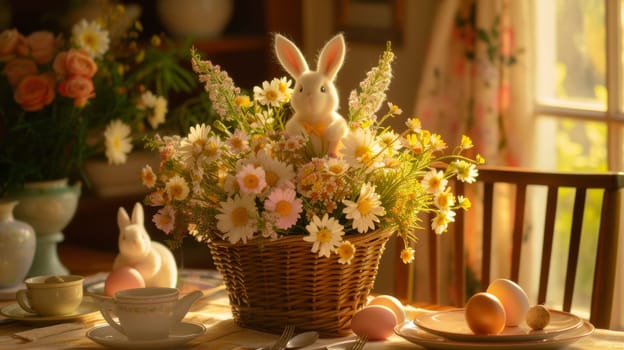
x=314, y=95
x=134, y=241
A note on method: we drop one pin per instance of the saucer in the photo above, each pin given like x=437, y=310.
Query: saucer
x=452, y=325
x=409, y=331
x=15, y=312
x=106, y=335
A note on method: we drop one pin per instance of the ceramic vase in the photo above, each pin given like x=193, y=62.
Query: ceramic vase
x=48, y=206
x=196, y=18
x=17, y=246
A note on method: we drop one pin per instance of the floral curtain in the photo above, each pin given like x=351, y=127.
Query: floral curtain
x=476, y=82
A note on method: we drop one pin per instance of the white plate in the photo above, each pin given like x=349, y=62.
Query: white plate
x=452, y=325
x=14, y=311
x=412, y=333
x=182, y=333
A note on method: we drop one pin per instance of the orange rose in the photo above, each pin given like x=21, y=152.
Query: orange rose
x=42, y=45
x=75, y=62
x=18, y=68
x=79, y=88
x=9, y=40
x=34, y=92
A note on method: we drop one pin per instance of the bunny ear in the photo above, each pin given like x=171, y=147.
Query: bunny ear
x=332, y=56
x=122, y=218
x=137, y=214
x=290, y=57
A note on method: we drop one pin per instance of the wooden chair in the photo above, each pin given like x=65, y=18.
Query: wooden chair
x=522, y=179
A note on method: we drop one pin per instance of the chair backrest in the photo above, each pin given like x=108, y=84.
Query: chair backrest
x=607, y=183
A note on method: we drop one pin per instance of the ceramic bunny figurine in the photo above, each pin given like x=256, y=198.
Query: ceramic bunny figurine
x=153, y=260
x=315, y=98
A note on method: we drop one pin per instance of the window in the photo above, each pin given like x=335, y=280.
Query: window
x=579, y=105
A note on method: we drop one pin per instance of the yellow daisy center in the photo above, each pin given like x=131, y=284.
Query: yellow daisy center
x=239, y=217
x=283, y=208
x=175, y=191
x=335, y=168
x=251, y=181
x=345, y=251
x=324, y=235
x=271, y=95
x=364, y=206
x=271, y=178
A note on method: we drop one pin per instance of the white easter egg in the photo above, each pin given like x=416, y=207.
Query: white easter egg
x=393, y=303
x=513, y=298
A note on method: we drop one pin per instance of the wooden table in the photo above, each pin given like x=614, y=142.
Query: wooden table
x=213, y=312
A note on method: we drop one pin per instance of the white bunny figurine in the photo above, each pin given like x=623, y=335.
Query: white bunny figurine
x=153, y=260
x=315, y=98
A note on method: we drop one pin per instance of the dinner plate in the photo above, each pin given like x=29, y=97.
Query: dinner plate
x=14, y=311
x=410, y=332
x=452, y=324
x=182, y=333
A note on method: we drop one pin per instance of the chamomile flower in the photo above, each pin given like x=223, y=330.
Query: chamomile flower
x=346, y=252
x=336, y=166
x=285, y=205
x=118, y=142
x=164, y=219
x=366, y=210
x=414, y=125
x=283, y=85
x=407, y=255
x=466, y=172
x=325, y=234
x=440, y=222
x=251, y=179
x=443, y=200
x=277, y=173
x=237, y=219
x=434, y=181
x=177, y=188
x=91, y=37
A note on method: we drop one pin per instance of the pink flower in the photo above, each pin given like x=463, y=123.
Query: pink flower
x=9, y=41
x=34, y=92
x=42, y=46
x=283, y=202
x=18, y=68
x=75, y=62
x=165, y=219
x=78, y=87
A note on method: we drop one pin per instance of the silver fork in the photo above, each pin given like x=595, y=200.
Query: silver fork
x=288, y=332
x=360, y=342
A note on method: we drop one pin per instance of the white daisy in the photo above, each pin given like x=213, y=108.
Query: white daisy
x=336, y=166
x=283, y=85
x=269, y=94
x=346, y=252
x=440, y=222
x=177, y=188
x=366, y=211
x=325, y=234
x=91, y=37
x=199, y=146
x=156, y=107
x=117, y=141
x=238, y=142
x=466, y=172
x=434, y=181
x=238, y=218
x=359, y=148
x=443, y=200
x=277, y=173
x=251, y=179
x=407, y=255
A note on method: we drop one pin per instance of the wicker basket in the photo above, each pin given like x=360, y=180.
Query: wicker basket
x=281, y=282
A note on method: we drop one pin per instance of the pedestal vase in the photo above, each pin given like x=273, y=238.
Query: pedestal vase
x=48, y=206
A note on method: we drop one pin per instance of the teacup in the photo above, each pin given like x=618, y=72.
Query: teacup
x=146, y=313
x=51, y=295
